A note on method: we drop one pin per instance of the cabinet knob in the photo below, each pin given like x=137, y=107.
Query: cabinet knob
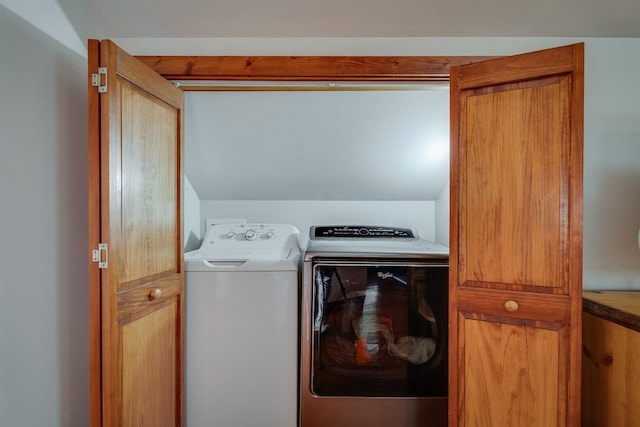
x=511, y=306
x=156, y=293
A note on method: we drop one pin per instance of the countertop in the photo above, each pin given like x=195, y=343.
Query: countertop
x=621, y=307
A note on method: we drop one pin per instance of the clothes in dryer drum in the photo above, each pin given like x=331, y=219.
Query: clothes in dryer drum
x=380, y=329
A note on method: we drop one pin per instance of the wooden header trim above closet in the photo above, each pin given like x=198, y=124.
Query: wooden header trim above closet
x=307, y=68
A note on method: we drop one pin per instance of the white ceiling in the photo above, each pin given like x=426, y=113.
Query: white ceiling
x=366, y=18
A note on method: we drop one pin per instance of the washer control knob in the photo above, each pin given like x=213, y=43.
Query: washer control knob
x=250, y=235
x=269, y=235
x=231, y=235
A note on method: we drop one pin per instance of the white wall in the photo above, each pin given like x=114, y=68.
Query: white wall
x=43, y=228
x=192, y=230
x=612, y=165
x=442, y=216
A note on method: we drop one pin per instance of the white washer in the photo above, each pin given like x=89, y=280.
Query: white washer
x=242, y=327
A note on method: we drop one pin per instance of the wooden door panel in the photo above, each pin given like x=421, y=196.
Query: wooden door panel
x=148, y=368
x=511, y=372
x=516, y=240
x=513, y=189
x=136, y=199
x=149, y=169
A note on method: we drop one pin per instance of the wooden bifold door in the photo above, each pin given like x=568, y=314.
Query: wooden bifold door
x=137, y=281
x=516, y=240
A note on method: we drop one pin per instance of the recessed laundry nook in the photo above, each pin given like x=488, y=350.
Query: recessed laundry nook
x=409, y=304
x=368, y=161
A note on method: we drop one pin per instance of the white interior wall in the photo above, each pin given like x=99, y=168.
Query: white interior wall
x=442, y=216
x=44, y=367
x=49, y=17
x=192, y=232
x=327, y=46
x=612, y=165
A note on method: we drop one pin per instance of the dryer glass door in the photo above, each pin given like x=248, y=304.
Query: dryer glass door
x=380, y=329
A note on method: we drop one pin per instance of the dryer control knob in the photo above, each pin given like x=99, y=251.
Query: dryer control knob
x=250, y=235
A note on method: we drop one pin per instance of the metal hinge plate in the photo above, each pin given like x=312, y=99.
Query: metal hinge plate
x=96, y=255
x=100, y=79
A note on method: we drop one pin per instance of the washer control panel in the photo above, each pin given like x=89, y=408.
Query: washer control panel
x=256, y=235
x=251, y=232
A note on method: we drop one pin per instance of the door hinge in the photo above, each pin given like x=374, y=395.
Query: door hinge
x=96, y=255
x=99, y=78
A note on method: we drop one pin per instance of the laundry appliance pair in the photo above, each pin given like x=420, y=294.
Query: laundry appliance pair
x=359, y=338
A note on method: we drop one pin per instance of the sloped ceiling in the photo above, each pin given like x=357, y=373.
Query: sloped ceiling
x=318, y=145
x=371, y=18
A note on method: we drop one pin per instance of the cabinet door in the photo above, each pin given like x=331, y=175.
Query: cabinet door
x=136, y=301
x=516, y=240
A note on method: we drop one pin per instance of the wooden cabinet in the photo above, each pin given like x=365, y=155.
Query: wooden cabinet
x=516, y=240
x=610, y=359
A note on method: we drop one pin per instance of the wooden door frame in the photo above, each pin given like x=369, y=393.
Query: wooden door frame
x=95, y=306
x=308, y=68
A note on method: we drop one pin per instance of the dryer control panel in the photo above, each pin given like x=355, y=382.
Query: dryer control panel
x=338, y=232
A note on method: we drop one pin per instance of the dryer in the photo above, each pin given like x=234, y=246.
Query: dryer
x=374, y=328
x=241, y=327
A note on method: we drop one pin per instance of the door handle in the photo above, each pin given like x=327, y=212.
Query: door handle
x=511, y=306
x=155, y=294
